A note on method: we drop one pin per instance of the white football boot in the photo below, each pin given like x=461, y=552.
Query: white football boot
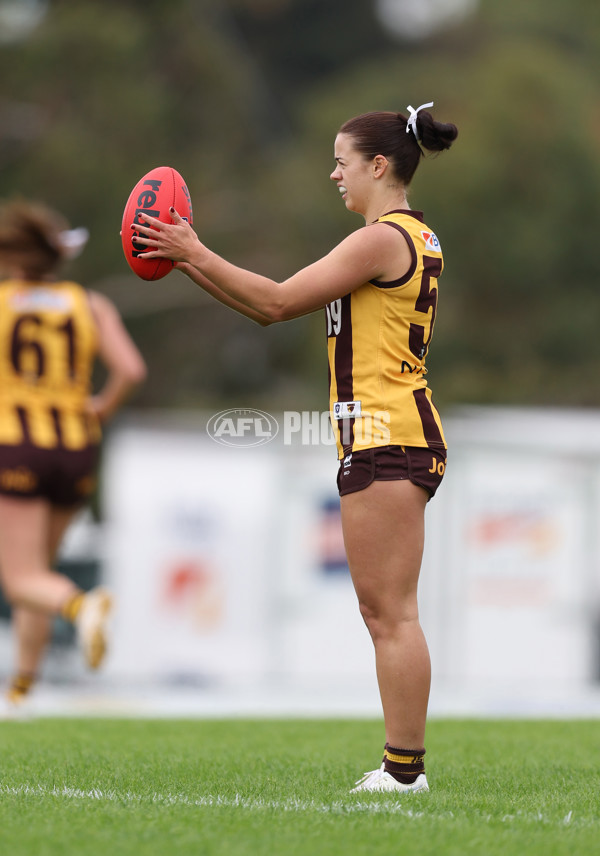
x=90, y=625
x=15, y=705
x=380, y=780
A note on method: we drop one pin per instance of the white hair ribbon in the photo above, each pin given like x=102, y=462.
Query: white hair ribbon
x=411, y=122
x=72, y=241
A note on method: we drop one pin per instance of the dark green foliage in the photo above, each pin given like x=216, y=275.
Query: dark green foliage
x=244, y=98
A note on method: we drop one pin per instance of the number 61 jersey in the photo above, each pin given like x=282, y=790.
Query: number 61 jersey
x=48, y=343
x=378, y=338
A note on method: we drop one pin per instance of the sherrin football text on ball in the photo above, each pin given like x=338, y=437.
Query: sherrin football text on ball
x=154, y=194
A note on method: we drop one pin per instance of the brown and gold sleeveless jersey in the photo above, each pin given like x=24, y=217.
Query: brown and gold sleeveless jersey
x=378, y=337
x=48, y=342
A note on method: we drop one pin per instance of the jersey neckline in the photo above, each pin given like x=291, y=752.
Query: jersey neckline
x=418, y=215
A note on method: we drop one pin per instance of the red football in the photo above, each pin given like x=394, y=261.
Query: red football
x=159, y=190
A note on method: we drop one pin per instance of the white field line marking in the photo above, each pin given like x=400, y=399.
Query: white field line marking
x=209, y=800
x=289, y=805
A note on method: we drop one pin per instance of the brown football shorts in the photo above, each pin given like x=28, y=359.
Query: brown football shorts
x=64, y=477
x=424, y=467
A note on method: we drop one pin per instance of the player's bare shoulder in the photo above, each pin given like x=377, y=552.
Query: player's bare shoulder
x=392, y=247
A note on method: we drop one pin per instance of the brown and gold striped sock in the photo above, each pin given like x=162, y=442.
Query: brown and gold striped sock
x=405, y=765
x=70, y=608
x=20, y=686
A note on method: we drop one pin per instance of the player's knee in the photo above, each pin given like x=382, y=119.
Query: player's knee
x=385, y=618
x=12, y=590
x=374, y=615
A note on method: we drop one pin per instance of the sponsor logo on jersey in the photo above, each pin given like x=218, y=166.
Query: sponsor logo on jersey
x=346, y=410
x=40, y=298
x=431, y=242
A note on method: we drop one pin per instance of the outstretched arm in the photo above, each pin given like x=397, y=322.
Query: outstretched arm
x=369, y=253
x=196, y=276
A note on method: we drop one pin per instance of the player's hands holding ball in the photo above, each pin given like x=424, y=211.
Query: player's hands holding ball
x=157, y=194
x=176, y=241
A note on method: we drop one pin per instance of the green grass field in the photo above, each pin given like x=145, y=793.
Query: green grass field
x=118, y=787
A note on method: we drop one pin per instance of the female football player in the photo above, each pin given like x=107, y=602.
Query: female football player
x=51, y=331
x=379, y=290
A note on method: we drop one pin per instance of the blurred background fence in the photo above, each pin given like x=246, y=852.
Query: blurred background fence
x=232, y=587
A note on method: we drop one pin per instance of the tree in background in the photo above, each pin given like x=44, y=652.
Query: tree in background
x=244, y=98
